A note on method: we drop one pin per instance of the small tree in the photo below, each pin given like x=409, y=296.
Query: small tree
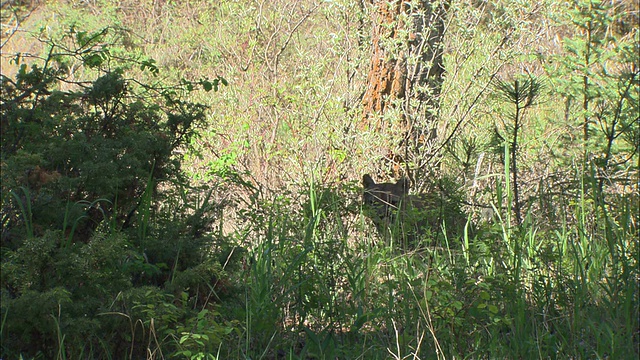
x=522, y=94
x=599, y=81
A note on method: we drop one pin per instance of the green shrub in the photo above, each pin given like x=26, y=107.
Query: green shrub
x=95, y=205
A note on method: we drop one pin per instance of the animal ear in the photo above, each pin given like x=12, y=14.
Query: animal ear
x=367, y=181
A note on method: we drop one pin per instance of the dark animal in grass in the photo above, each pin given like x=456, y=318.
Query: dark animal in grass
x=408, y=218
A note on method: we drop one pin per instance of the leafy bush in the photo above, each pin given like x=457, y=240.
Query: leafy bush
x=89, y=181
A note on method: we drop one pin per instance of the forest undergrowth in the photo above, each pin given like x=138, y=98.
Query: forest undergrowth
x=182, y=180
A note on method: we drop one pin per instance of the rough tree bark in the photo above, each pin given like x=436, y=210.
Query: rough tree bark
x=405, y=76
x=406, y=62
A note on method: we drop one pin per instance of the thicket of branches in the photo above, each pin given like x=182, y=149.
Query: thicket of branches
x=143, y=217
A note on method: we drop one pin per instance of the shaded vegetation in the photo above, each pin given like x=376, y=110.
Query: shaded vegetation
x=154, y=209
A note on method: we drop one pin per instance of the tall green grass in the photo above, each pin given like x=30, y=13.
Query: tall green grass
x=527, y=291
x=319, y=283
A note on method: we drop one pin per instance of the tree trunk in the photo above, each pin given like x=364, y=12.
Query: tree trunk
x=406, y=62
x=405, y=76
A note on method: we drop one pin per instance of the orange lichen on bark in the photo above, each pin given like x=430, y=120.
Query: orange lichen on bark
x=387, y=74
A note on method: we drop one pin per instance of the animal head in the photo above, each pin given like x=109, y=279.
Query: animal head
x=392, y=209
x=384, y=198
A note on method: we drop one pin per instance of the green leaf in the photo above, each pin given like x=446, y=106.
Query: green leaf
x=203, y=313
x=93, y=60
